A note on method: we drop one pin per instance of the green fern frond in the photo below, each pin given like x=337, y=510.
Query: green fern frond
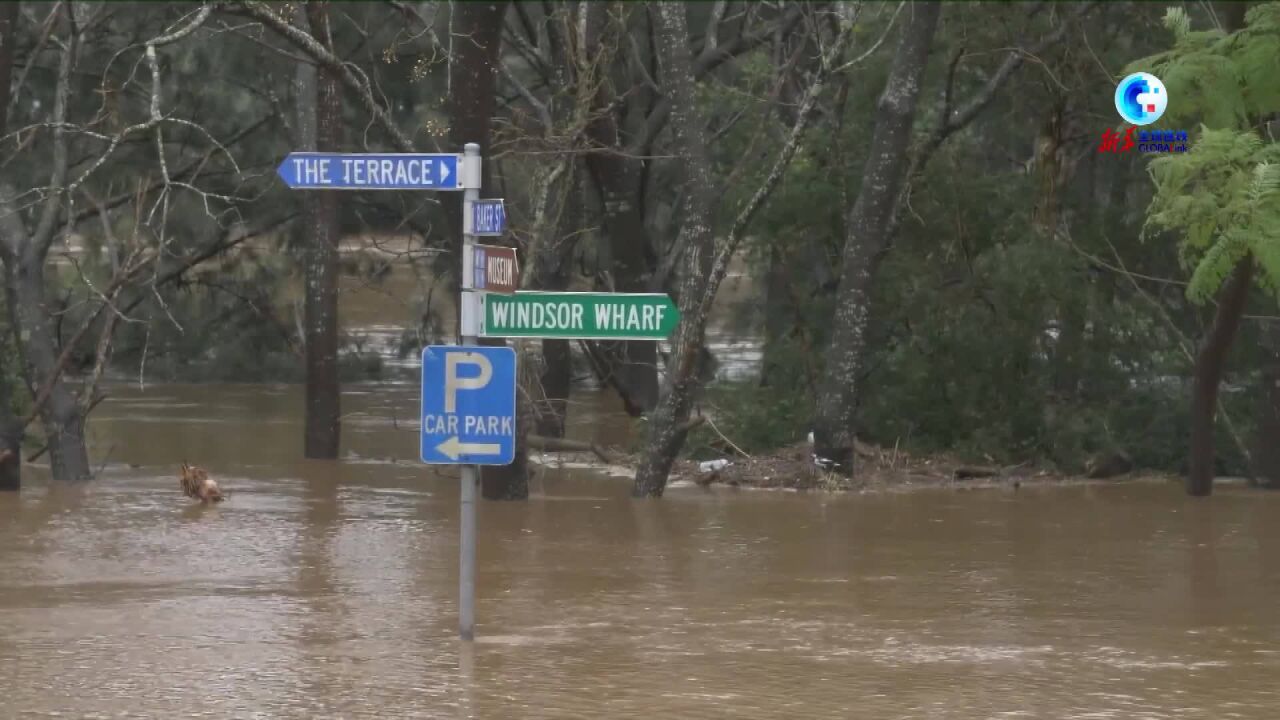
x=1215, y=266
x=1223, y=196
x=1267, y=252
x=1266, y=180
x=1264, y=17
x=1178, y=22
x=1257, y=59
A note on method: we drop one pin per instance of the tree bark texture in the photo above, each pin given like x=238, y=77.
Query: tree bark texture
x=706, y=262
x=320, y=97
x=1210, y=364
x=24, y=253
x=29, y=315
x=868, y=227
x=11, y=456
x=666, y=433
x=10, y=428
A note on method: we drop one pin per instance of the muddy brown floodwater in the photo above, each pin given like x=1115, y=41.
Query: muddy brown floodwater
x=325, y=590
x=328, y=590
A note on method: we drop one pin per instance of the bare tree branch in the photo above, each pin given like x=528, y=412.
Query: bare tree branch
x=953, y=121
x=808, y=104
x=210, y=251
x=711, y=36
x=539, y=107
x=38, y=244
x=709, y=60
x=42, y=395
x=962, y=116
x=188, y=170
x=201, y=15
x=46, y=31
x=308, y=44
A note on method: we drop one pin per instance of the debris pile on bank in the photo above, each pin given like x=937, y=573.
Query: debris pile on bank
x=795, y=467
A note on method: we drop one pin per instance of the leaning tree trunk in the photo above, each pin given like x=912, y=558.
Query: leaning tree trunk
x=667, y=422
x=1211, y=361
x=319, y=122
x=706, y=262
x=869, y=227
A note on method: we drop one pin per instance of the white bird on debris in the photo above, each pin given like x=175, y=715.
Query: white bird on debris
x=821, y=462
x=713, y=465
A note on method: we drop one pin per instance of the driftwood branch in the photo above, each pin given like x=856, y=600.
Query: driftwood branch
x=555, y=444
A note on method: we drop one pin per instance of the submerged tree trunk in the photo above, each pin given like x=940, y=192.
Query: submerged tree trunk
x=1210, y=363
x=1211, y=358
x=10, y=454
x=476, y=28
x=29, y=316
x=24, y=253
x=705, y=261
x=869, y=227
x=1267, y=443
x=319, y=121
x=11, y=431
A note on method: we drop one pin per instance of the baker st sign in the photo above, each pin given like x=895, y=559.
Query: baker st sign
x=576, y=316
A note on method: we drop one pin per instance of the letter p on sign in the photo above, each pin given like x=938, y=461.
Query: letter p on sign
x=453, y=383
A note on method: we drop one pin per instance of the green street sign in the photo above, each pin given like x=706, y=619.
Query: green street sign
x=577, y=315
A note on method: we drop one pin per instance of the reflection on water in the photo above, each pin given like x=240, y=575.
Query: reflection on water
x=328, y=589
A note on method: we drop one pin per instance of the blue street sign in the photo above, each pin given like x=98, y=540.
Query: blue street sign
x=468, y=405
x=488, y=217
x=364, y=171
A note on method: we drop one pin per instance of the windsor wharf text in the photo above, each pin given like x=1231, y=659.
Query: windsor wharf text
x=580, y=315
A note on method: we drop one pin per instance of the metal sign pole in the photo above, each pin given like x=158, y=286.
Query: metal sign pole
x=471, y=176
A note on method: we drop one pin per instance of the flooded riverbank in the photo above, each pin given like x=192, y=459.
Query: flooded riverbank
x=328, y=589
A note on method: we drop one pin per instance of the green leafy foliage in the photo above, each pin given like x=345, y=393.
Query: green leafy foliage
x=1220, y=80
x=1221, y=196
x=755, y=418
x=1224, y=197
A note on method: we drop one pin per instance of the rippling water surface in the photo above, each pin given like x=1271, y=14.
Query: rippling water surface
x=328, y=589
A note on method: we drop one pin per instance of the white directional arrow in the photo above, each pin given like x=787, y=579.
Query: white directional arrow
x=444, y=173
x=452, y=448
